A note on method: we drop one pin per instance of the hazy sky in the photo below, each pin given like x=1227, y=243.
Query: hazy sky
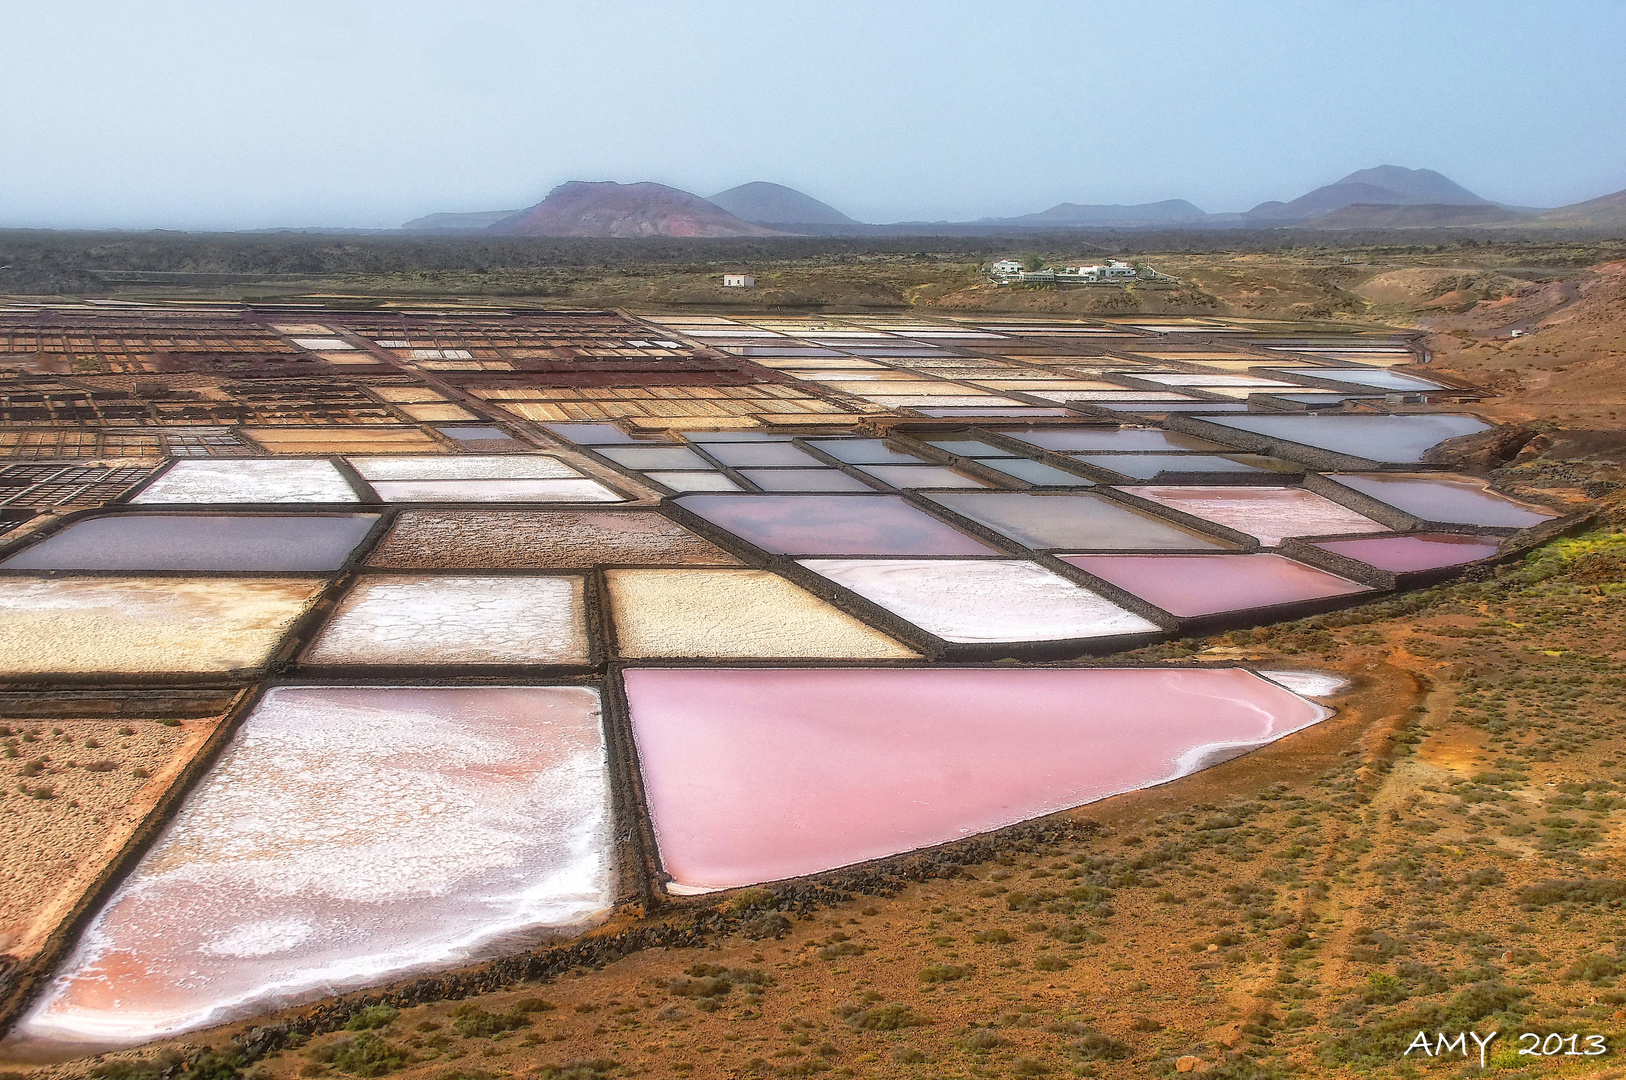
x=211, y=114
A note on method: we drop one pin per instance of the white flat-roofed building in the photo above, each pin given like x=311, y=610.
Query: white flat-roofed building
x=739, y=281
x=1111, y=270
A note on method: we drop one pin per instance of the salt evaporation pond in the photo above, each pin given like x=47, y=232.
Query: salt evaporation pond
x=1270, y=515
x=1425, y=551
x=1095, y=440
x=419, y=620
x=1081, y=522
x=760, y=774
x=199, y=542
x=983, y=600
x=1400, y=439
x=804, y=480
x=1447, y=499
x=1188, y=586
x=833, y=525
x=348, y=835
x=286, y=480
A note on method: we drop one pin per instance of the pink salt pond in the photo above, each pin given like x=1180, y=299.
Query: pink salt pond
x=1405, y=554
x=1187, y=586
x=760, y=774
x=1271, y=515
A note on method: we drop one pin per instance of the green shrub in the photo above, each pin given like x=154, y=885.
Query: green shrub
x=216, y=1065
x=1383, y=988
x=1074, y=934
x=714, y=981
x=747, y=900
x=1383, y=1042
x=1583, y=891
x=1596, y=969
x=941, y=973
x=577, y=1069
x=372, y=1017
x=982, y=1040
x=531, y=1005
x=1046, y=962
x=361, y=1054
x=885, y=1018
x=164, y=1064
x=472, y=1022
x=1094, y=1046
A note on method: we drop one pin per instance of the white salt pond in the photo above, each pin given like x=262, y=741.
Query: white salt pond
x=277, y=480
x=443, y=619
x=983, y=600
x=347, y=836
x=1310, y=684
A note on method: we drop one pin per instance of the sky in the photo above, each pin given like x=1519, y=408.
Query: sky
x=197, y=114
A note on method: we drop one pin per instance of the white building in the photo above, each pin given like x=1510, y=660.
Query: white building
x=1005, y=268
x=1112, y=270
x=738, y=281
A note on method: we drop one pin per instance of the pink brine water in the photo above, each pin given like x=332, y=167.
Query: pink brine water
x=754, y=775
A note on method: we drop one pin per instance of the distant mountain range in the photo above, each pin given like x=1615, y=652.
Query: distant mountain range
x=1387, y=197
x=1386, y=185
x=1171, y=213
x=776, y=204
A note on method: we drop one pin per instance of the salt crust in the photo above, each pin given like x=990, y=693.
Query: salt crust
x=146, y=624
x=1268, y=514
x=1309, y=683
x=349, y=835
x=569, y=491
x=734, y=613
x=457, y=620
x=464, y=467
x=983, y=600
x=249, y=481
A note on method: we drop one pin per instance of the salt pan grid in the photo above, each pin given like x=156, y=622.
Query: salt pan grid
x=705, y=578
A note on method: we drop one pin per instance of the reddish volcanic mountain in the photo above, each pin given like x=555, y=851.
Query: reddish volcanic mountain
x=580, y=208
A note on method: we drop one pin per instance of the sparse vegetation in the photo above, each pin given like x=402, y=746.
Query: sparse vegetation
x=362, y=1054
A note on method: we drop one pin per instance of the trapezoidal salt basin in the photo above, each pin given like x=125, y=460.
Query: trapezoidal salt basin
x=760, y=774
x=346, y=836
